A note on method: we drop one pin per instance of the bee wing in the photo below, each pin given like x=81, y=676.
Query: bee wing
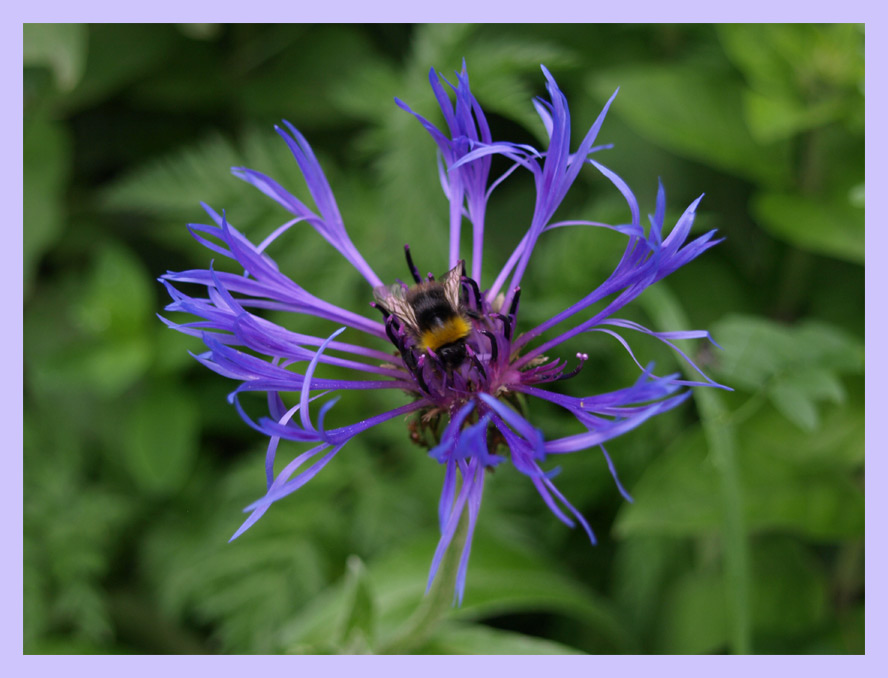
x=393, y=298
x=451, y=283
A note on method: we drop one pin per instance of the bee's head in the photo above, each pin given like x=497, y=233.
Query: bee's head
x=452, y=355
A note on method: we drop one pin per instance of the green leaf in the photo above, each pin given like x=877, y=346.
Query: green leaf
x=358, y=626
x=796, y=58
x=112, y=315
x=773, y=119
x=677, y=494
x=453, y=638
x=789, y=597
x=117, y=300
x=790, y=483
x=66, y=645
x=801, y=76
x=200, y=31
x=794, y=396
x=834, y=228
x=502, y=579
x=61, y=47
x=160, y=444
x=797, y=367
x=643, y=566
x=791, y=592
x=93, y=335
x=113, y=63
x=695, y=109
x=838, y=444
x=694, y=618
x=107, y=368
x=45, y=170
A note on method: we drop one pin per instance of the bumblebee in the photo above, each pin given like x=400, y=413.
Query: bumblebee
x=432, y=314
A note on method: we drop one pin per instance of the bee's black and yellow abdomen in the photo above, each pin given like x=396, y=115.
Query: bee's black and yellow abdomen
x=440, y=327
x=449, y=331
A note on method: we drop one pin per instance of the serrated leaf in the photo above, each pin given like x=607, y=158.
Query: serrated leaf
x=181, y=180
x=71, y=522
x=174, y=185
x=834, y=228
x=295, y=58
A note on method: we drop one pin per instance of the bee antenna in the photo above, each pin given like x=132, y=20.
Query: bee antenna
x=413, y=270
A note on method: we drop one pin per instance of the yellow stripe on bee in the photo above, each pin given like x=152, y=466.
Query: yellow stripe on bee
x=455, y=328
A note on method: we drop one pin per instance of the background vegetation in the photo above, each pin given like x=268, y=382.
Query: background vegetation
x=747, y=530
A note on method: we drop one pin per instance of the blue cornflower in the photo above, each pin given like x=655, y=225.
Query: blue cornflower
x=458, y=353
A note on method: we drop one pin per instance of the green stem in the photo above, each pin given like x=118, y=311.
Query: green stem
x=721, y=439
x=437, y=603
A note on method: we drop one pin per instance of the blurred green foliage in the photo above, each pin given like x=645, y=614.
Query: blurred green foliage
x=136, y=467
